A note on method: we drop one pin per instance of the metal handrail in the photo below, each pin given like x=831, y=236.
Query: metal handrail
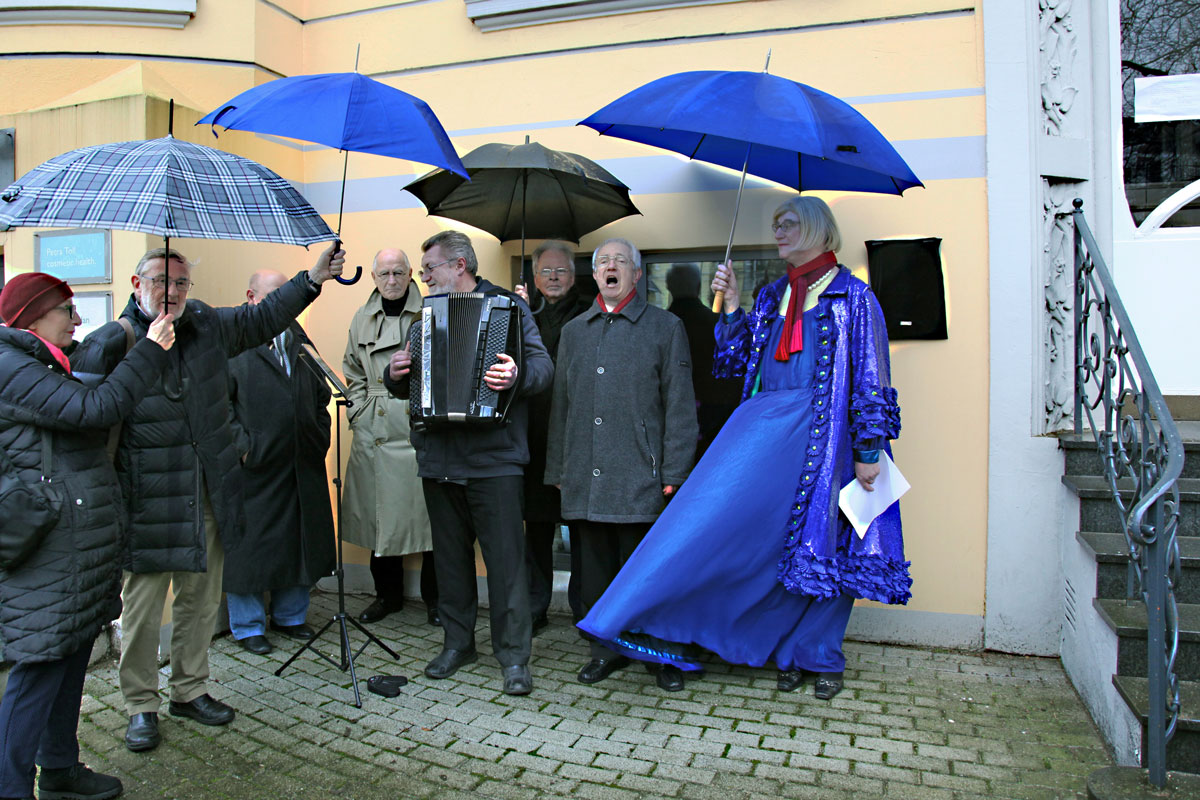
x=1142, y=453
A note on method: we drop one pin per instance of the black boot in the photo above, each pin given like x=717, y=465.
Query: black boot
x=77, y=783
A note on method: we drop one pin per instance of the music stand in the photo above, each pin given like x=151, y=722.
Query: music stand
x=317, y=364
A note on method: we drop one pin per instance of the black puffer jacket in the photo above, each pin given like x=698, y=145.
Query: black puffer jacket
x=56, y=602
x=180, y=434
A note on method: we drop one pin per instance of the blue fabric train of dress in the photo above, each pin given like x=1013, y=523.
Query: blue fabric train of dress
x=708, y=572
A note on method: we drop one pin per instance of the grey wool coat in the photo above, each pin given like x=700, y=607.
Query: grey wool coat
x=383, y=504
x=623, y=419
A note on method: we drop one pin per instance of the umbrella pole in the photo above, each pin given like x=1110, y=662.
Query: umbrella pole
x=719, y=298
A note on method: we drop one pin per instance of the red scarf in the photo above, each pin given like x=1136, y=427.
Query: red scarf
x=57, y=352
x=801, y=278
x=628, y=298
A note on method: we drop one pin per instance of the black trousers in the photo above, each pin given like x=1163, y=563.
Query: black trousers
x=39, y=719
x=539, y=562
x=605, y=546
x=388, y=574
x=488, y=510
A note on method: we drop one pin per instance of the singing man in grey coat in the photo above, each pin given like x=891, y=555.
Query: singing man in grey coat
x=622, y=428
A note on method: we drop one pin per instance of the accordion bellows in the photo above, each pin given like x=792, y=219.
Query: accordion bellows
x=454, y=343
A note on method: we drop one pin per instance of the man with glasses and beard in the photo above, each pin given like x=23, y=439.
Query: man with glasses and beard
x=472, y=478
x=177, y=462
x=383, y=506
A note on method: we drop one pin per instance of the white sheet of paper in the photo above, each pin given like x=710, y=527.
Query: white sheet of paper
x=862, y=507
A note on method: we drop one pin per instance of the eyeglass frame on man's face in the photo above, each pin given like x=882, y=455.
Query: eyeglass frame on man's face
x=547, y=272
x=399, y=274
x=617, y=261
x=160, y=282
x=432, y=267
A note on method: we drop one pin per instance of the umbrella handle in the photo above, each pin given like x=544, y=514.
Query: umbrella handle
x=718, y=302
x=350, y=281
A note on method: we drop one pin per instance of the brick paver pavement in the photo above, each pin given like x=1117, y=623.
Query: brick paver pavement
x=911, y=723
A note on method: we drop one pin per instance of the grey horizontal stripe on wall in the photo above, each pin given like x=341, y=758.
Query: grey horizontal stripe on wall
x=488, y=130
x=931, y=159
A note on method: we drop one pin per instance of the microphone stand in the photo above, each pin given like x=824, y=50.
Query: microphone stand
x=314, y=361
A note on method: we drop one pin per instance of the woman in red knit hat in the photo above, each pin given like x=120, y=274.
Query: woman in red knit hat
x=54, y=604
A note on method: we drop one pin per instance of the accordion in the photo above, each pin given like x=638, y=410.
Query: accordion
x=454, y=343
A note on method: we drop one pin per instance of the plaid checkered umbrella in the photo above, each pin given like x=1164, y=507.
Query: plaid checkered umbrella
x=166, y=187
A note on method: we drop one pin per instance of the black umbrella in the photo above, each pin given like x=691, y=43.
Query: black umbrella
x=526, y=191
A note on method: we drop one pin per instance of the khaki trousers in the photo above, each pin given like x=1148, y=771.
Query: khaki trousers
x=194, y=619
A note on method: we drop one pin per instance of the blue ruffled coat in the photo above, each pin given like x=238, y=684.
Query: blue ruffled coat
x=854, y=408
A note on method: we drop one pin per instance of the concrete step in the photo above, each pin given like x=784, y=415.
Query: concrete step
x=1082, y=455
x=1097, y=512
x=1183, y=751
x=1112, y=555
x=1128, y=621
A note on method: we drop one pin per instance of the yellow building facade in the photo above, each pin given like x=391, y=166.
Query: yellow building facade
x=915, y=68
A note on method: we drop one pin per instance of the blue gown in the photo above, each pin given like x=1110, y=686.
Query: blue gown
x=706, y=573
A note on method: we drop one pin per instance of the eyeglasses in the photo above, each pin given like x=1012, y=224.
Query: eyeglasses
x=785, y=225
x=546, y=272
x=616, y=261
x=387, y=276
x=432, y=267
x=69, y=308
x=180, y=284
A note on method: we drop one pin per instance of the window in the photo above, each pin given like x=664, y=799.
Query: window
x=147, y=13
x=1159, y=38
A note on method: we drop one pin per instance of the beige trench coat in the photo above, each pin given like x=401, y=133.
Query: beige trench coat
x=382, y=505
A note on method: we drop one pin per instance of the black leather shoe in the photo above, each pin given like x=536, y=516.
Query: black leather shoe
x=598, y=669
x=517, y=679
x=434, y=618
x=790, y=680
x=670, y=679
x=77, y=783
x=449, y=662
x=540, y=623
x=204, y=710
x=301, y=631
x=256, y=644
x=379, y=609
x=142, y=733
x=827, y=686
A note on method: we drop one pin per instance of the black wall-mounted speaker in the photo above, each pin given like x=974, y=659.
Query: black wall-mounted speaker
x=906, y=277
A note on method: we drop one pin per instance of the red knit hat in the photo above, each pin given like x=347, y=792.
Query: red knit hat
x=26, y=298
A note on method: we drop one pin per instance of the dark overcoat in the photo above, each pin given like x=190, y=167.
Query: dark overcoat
x=542, y=501
x=57, y=601
x=177, y=445
x=281, y=426
x=623, y=421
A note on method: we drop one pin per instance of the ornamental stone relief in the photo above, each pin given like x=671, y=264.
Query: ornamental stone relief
x=1059, y=49
x=1058, y=292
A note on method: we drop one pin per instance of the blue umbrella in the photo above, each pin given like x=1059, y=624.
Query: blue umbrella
x=345, y=110
x=772, y=127
x=761, y=124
